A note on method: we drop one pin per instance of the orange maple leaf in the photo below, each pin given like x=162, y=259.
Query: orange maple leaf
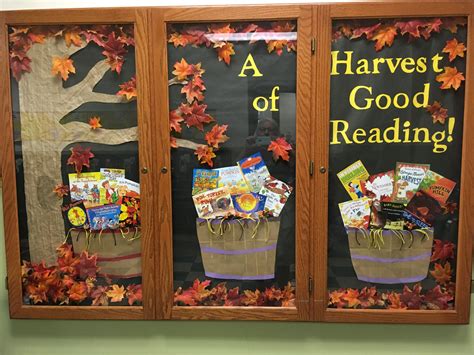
x=78, y=292
x=182, y=69
x=61, y=190
x=216, y=135
x=276, y=45
x=72, y=35
x=451, y=78
x=454, y=49
x=117, y=293
x=175, y=121
x=438, y=113
x=384, y=36
x=193, y=89
x=280, y=148
x=205, y=155
x=442, y=274
x=351, y=297
x=94, y=122
x=195, y=115
x=395, y=301
x=134, y=294
x=221, y=28
x=129, y=89
x=336, y=298
x=178, y=39
x=173, y=142
x=62, y=67
x=224, y=51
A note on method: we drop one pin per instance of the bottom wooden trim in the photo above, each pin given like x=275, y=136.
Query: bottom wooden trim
x=235, y=313
x=393, y=316
x=78, y=312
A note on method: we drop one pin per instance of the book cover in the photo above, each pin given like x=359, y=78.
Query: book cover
x=214, y=203
x=393, y=214
x=112, y=191
x=355, y=213
x=277, y=193
x=255, y=171
x=74, y=214
x=249, y=204
x=408, y=177
x=437, y=186
x=232, y=178
x=351, y=177
x=130, y=212
x=379, y=186
x=413, y=222
x=103, y=217
x=85, y=187
x=204, y=180
x=425, y=207
x=112, y=174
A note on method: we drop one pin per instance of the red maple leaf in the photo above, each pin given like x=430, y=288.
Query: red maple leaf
x=442, y=274
x=175, y=121
x=114, y=50
x=410, y=27
x=205, y=155
x=438, y=112
x=99, y=296
x=134, y=294
x=368, y=297
x=436, y=299
x=395, y=301
x=431, y=26
x=78, y=292
x=352, y=298
x=442, y=250
x=367, y=31
x=19, y=66
x=195, y=115
x=280, y=148
x=129, y=89
x=216, y=136
x=87, y=266
x=336, y=298
x=412, y=298
x=193, y=89
x=80, y=157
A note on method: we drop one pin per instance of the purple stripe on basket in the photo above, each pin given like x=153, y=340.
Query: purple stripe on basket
x=237, y=252
x=390, y=280
x=392, y=260
x=239, y=277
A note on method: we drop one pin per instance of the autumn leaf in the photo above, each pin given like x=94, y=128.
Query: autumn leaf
x=193, y=89
x=72, y=35
x=173, y=142
x=367, y=31
x=67, y=262
x=454, y=49
x=438, y=113
x=62, y=67
x=280, y=148
x=128, y=89
x=395, y=301
x=182, y=69
x=114, y=50
x=87, y=266
x=368, y=297
x=116, y=293
x=134, y=294
x=442, y=250
x=94, y=123
x=442, y=274
x=451, y=78
x=410, y=27
x=436, y=299
x=78, y=292
x=450, y=208
x=384, y=36
x=19, y=66
x=412, y=298
x=276, y=45
x=99, y=296
x=175, y=121
x=233, y=298
x=80, y=157
x=431, y=26
x=336, y=298
x=221, y=28
x=224, y=51
x=205, y=155
x=61, y=190
x=216, y=136
x=452, y=23
x=37, y=293
x=195, y=115
x=352, y=298
x=178, y=39
x=252, y=298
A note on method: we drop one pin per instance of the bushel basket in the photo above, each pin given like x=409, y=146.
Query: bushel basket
x=236, y=249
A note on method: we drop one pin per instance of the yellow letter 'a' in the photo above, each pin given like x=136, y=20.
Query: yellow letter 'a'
x=250, y=64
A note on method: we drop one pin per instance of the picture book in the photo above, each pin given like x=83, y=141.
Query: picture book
x=277, y=193
x=85, y=187
x=393, y=215
x=112, y=174
x=74, y=214
x=379, y=186
x=214, y=203
x=255, y=171
x=351, y=178
x=437, y=186
x=425, y=207
x=232, y=178
x=104, y=217
x=412, y=221
x=112, y=191
x=204, y=180
x=248, y=204
x=408, y=177
x=130, y=212
x=355, y=213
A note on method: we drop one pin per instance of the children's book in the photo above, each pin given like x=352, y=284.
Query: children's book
x=214, y=203
x=393, y=214
x=85, y=187
x=104, y=217
x=437, y=186
x=249, y=204
x=379, y=186
x=412, y=221
x=204, y=180
x=356, y=213
x=425, y=207
x=277, y=193
x=130, y=212
x=112, y=191
x=74, y=214
x=255, y=171
x=232, y=178
x=408, y=177
x=112, y=174
x=351, y=178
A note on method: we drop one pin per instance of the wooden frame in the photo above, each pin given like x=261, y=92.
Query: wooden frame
x=141, y=20
x=322, y=25
x=303, y=252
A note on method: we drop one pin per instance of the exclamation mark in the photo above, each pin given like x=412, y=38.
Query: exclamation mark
x=451, y=121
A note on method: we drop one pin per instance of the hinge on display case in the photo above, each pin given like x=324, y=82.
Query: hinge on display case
x=313, y=45
x=311, y=168
x=310, y=285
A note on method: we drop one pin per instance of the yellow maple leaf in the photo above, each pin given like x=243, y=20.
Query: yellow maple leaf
x=62, y=67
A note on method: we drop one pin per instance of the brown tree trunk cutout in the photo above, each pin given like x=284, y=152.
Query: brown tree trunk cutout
x=43, y=103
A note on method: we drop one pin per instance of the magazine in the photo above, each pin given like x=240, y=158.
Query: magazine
x=351, y=178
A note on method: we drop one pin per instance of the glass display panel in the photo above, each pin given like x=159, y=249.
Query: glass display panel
x=396, y=123
x=232, y=98
x=75, y=137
